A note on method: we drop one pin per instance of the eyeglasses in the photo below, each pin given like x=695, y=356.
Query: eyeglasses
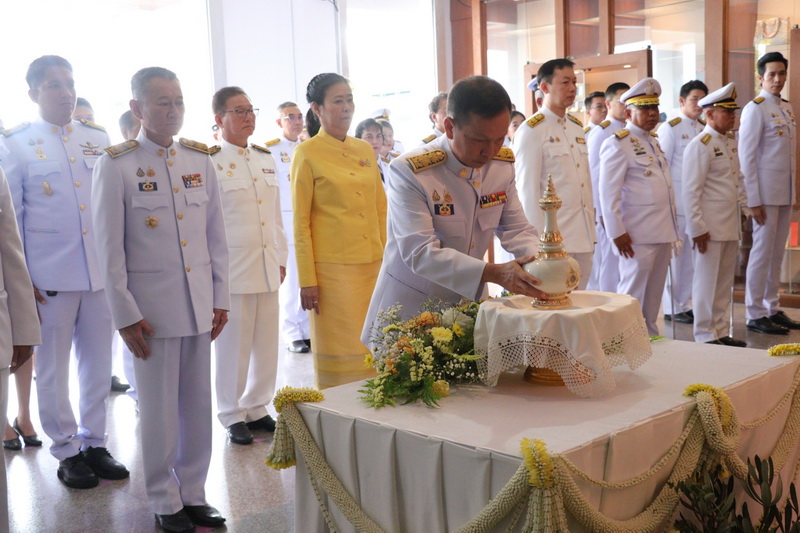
x=242, y=113
x=292, y=117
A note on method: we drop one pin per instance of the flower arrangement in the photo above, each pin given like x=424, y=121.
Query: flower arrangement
x=784, y=349
x=419, y=358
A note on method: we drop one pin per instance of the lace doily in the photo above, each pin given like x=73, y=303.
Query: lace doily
x=581, y=344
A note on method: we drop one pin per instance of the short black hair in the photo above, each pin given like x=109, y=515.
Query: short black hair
x=221, y=98
x=516, y=113
x=587, y=102
x=480, y=95
x=434, y=104
x=367, y=123
x=771, y=57
x=84, y=102
x=142, y=77
x=614, y=88
x=548, y=69
x=690, y=86
x=36, y=69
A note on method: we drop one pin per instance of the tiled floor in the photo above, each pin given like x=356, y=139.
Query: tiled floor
x=251, y=495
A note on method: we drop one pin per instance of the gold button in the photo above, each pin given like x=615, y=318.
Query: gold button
x=473, y=245
x=572, y=146
x=183, y=242
x=577, y=164
x=85, y=231
x=180, y=216
x=265, y=246
x=83, y=207
x=71, y=159
x=172, y=151
x=188, y=269
x=255, y=179
x=175, y=189
x=169, y=162
x=162, y=153
x=263, y=223
x=66, y=139
x=582, y=185
x=260, y=200
x=241, y=152
x=476, y=183
x=77, y=183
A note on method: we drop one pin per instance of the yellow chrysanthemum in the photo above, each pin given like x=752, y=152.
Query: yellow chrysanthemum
x=538, y=461
x=441, y=387
x=785, y=349
x=721, y=400
x=289, y=395
x=369, y=360
x=441, y=335
x=458, y=330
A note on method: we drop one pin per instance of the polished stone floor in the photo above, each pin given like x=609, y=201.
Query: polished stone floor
x=252, y=496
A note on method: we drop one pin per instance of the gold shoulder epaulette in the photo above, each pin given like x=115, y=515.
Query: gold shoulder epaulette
x=427, y=160
x=273, y=142
x=758, y=100
x=653, y=134
x=505, y=154
x=731, y=135
x=15, y=129
x=122, y=148
x=394, y=154
x=675, y=121
x=429, y=138
x=194, y=145
x=214, y=149
x=260, y=148
x=701, y=121
x=575, y=120
x=605, y=124
x=586, y=129
x=535, y=120
x=621, y=134
x=705, y=138
x=92, y=125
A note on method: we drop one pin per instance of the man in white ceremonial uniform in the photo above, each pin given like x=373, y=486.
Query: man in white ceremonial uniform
x=446, y=202
x=551, y=145
x=294, y=319
x=49, y=167
x=19, y=322
x=596, y=110
x=674, y=136
x=637, y=201
x=162, y=248
x=247, y=349
x=713, y=191
x=767, y=157
x=437, y=112
x=605, y=267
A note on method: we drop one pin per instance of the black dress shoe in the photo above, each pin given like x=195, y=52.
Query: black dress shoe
x=266, y=423
x=765, y=325
x=76, y=474
x=239, y=434
x=781, y=319
x=175, y=523
x=103, y=465
x=714, y=342
x=298, y=347
x=117, y=385
x=14, y=444
x=204, y=515
x=30, y=440
x=308, y=343
x=686, y=317
x=730, y=341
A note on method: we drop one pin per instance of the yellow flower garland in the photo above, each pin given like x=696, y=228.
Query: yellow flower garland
x=785, y=349
x=536, y=458
x=282, y=454
x=292, y=395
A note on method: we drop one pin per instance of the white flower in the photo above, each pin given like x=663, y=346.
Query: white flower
x=454, y=316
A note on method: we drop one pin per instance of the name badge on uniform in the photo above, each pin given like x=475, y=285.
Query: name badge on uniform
x=148, y=186
x=580, y=140
x=493, y=199
x=268, y=170
x=717, y=151
x=91, y=149
x=192, y=180
x=444, y=209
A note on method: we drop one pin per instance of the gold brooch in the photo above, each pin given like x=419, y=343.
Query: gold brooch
x=151, y=222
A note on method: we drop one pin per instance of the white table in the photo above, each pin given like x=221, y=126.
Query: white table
x=419, y=469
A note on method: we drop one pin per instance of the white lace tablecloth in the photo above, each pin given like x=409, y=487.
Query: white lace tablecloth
x=580, y=343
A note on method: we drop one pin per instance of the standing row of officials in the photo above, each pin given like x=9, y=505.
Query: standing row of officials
x=177, y=249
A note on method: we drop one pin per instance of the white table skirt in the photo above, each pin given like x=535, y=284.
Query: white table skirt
x=419, y=469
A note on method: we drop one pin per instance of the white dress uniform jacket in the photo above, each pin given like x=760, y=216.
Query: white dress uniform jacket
x=251, y=204
x=441, y=222
x=161, y=237
x=636, y=193
x=766, y=154
x=674, y=136
x=49, y=171
x=547, y=145
x=594, y=140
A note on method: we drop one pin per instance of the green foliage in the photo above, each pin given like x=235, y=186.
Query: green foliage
x=708, y=496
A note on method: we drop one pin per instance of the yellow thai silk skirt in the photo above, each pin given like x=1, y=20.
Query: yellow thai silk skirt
x=344, y=295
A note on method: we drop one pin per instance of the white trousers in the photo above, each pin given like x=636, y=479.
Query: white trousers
x=682, y=272
x=121, y=351
x=764, y=265
x=584, y=260
x=247, y=358
x=4, y=527
x=175, y=420
x=293, y=319
x=643, y=277
x=82, y=318
x=711, y=289
x=605, y=267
